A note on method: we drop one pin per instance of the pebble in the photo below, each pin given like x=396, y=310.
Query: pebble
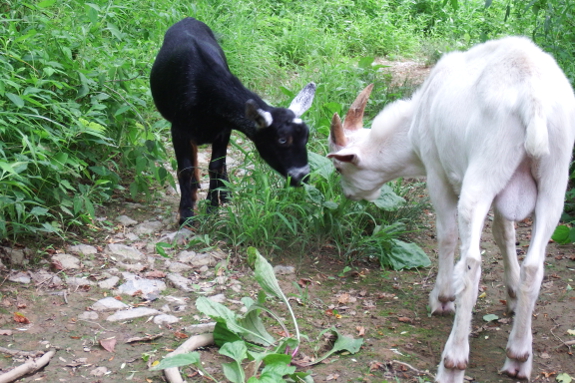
x=109, y=283
x=126, y=221
x=132, y=314
x=165, y=319
x=17, y=256
x=88, y=315
x=284, y=270
x=218, y=298
x=79, y=281
x=178, y=267
x=179, y=281
x=147, y=287
x=20, y=277
x=83, y=249
x=124, y=252
x=109, y=304
x=67, y=261
x=149, y=227
x=203, y=260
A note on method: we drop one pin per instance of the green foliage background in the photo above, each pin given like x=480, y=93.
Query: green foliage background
x=78, y=126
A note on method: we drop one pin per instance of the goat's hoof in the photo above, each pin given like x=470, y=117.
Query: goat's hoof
x=452, y=364
x=521, y=358
x=516, y=369
x=443, y=308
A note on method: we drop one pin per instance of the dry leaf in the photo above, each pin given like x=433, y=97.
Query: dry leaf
x=108, y=344
x=386, y=296
x=376, y=366
x=180, y=335
x=303, y=282
x=20, y=318
x=405, y=319
x=332, y=377
x=155, y=274
x=146, y=338
x=343, y=298
x=360, y=330
x=137, y=293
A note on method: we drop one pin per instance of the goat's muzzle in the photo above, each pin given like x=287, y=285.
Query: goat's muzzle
x=298, y=175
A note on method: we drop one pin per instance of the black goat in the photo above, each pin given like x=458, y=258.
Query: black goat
x=193, y=88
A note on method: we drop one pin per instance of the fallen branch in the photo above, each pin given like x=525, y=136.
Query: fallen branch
x=29, y=367
x=203, y=340
x=9, y=351
x=419, y=372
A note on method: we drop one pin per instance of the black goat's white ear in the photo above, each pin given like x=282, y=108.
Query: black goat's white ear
x=262, y=118
x=303, y=100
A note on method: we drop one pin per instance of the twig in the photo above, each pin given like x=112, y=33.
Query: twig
x=103, y=328
x=29, y=367
x=203, y=340
x=414, y=369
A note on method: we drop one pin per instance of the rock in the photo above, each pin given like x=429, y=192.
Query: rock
x=178, y=267
x=203, y=260
x=82, y=249
x=20, y=277
x=46, y=278
x=218, y=298
x=132, y=237
x=79, y=281
x=284, y=270
x=179, y=282
x=17, y=257
x=186, y=256
x=67, y=261
x=109, y=283
x=165, y=309
x=129, y=276
x=124, y=253
x=136, y=267
x=88, y=315
x=126, y=221
x=149, y=227
x=149, y=288
x=165, y=319
x=132, y=314
x=201, y=328
x=109, y=304
x=100, y=371
x=179, y=237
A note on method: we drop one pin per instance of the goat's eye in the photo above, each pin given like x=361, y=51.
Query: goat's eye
x=282, y=140
x=337, y=169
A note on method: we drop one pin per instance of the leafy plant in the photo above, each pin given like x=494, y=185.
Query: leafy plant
x=244, y=337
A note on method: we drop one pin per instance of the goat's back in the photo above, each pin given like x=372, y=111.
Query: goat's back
x=482, y=112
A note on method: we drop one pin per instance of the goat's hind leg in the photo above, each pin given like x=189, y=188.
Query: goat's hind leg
x=187, y=158
x=504, y=234
x=218, y=171
x=442, y=297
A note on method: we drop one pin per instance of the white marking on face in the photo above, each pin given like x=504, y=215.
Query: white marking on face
x=297, y=121
x=298, y=173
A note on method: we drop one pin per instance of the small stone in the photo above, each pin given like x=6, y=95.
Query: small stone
x=17, y=257
x=109, y=304
x=20, y=277
x=67, y=261
x=165, y=319
x=218, y=298
x=82, y=249
x=132, y=314
x=178, y=267
x=186, y=256
x=126, y=221
x=136, y=267
x=79, y=281
x=88, y=315
x=201, y=328
x=179, y=282
x=147, y=287
x=165, y=309
x=109, y=283
x=124, y=252
x=149, y=227
x=132, y=237
x=179, y=237
x=203, y=260
x=100, y=371
x=284, y=270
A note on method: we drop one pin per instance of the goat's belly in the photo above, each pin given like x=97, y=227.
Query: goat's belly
x=518, y=199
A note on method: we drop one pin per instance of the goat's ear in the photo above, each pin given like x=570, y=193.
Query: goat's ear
x=337, y=136
x=345, y=156
x=303, y=100
x=354, y=117
x=262, y=118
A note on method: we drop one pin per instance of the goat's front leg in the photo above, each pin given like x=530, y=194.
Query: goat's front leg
x=218, y=171
x=504, y=234
x=442, y=297
x=188, y=175
x=472, y=209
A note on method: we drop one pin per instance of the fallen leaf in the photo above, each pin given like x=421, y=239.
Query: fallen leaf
x=108, y=344
x=21, y=305
x=146, y=338
x=118, y=298
x=490, y=317
x=376, y=366
x=137, y=293
x=343, y=298
x=20, y=318
x=571, y=332
x=303, y=282
x=360, y=330
x=386, y=296
x=405, y=319
x=56, y=265
x=180, y=335
x=155, y=274
x=564, y=378
x=332, y=377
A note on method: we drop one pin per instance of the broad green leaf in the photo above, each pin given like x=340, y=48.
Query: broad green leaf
x=264, y=274
x=365, y=63
x=15, y=99
x=388, y=200
x=403, y=255
x=342, y=343
x=321, y=165
x=46, y=3
x=38, y=211
x=564, y=378
x=490, y=317
x=178, y=361
x=233, y=372
x=236, y=350
x=252, y=322
x=561, y=235
x=222, y=335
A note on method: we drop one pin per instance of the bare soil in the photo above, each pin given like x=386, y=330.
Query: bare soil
x=402, y=343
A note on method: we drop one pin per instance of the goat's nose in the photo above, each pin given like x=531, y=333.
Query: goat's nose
x=298, y=174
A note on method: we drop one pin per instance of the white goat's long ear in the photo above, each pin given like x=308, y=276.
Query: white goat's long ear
x=303, y=100
x=346, y=155
x=354, y=117
x=262, y=118
x=337, y=136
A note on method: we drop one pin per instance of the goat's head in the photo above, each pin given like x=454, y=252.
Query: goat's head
x=358, y=180
x=281, y=135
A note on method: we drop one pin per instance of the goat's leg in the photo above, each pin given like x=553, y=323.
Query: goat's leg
x=504, y=234
x=187, y=158
x=472, y=209
x=548, y=209
x=442, y=297
x=218, y=171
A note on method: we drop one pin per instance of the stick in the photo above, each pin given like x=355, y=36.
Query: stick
x=33, y=354
x=413, y=368
x=203, y=340
x=27, y=368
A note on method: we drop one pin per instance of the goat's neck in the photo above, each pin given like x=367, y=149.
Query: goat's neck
x=395, y=154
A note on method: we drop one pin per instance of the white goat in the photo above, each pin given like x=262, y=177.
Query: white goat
x=492, y=124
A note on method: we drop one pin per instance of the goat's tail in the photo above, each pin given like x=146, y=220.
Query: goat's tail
x=536, y=134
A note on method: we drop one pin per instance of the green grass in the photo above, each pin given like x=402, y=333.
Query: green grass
x=78, y=127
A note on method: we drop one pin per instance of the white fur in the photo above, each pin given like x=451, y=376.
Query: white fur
x=493, y=124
